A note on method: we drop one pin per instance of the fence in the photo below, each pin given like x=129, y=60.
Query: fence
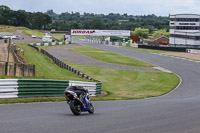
x=99, y=41
x=64, y=65
x=178, y=49
x=22, y=88
x=16, y=69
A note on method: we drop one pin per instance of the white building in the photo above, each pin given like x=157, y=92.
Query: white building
x=47, y=38
x=185, y=30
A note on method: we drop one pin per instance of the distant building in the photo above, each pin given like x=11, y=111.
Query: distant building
x=47, y=38
x=5, y=35
x=159, y=40
x=185, y=30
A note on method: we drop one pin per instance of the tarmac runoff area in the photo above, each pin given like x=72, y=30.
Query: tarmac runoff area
x=64, y=53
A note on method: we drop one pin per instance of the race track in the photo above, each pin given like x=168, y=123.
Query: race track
x=176, y=112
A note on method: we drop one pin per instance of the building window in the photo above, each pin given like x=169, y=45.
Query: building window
x=185, y=36
x=187, y=27
x=187, y=19
x=172, y=19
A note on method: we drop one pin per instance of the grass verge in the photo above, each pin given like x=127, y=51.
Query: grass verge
x=129, y=84
x=45, y=68
x=109, y=57
x=30, y=32
x=59, y=36
x=119, y=84
x=26, y=31
x=32, y=100
x=7, y=28
x=62, y=45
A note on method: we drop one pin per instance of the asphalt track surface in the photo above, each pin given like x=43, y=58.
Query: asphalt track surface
x=176, y=112
x=64, y=53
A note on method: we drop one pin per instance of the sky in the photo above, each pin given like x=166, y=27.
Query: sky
x=131, y=7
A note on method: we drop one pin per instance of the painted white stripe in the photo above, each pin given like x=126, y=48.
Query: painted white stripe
x=8, y=88
x=8, y=82
x=9, y=95
x=80, y=82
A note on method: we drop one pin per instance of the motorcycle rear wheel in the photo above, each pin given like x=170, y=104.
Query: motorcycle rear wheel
x=91, y=110
x=75, y=107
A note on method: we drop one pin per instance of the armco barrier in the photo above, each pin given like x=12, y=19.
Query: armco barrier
x=22, y=88
x=39, y=88
x=50, y=43
x=8, y=88
x=178, y=49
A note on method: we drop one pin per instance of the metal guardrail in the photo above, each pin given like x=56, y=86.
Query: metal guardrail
x=22, y=88
x=50, y=43
x=8, y=88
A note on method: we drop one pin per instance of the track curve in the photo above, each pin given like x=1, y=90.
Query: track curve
x=177, y=112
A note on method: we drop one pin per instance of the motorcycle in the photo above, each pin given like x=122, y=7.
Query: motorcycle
x=78, y=99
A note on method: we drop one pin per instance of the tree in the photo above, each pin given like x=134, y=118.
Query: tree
x=141, y=33
x=96, y=23
x=75, y=25
x=21, y=17
x=47, y=20
x=161, y=32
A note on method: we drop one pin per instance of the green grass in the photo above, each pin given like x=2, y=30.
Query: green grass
x=58, y=36
x=119, y=84
x=7, y=28
x=129, y=84
x=26, y=31
x=146, y=50
x=45, y=68
x=30, y=32
x=109, y=57
x=31, y=100
x=62, y=45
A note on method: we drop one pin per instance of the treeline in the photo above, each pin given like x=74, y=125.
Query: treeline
x=36, y=20
x=68, y=21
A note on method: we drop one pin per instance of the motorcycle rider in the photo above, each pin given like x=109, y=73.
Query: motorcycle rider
x=80, y=91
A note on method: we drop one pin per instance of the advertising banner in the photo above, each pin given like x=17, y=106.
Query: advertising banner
x=79, y=32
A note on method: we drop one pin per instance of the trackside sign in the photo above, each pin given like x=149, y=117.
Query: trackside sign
x=100, y=32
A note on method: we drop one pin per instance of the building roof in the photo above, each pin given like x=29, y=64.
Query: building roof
x=5, y=34
x=157, y=37
x=184, y=14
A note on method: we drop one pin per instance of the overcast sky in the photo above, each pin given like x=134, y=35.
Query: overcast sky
x=132, y=7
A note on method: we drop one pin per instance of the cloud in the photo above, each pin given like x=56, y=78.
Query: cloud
x=135, y=7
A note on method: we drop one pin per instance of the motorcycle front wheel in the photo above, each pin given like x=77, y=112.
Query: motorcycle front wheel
x=91, y=110
x=75, y=107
